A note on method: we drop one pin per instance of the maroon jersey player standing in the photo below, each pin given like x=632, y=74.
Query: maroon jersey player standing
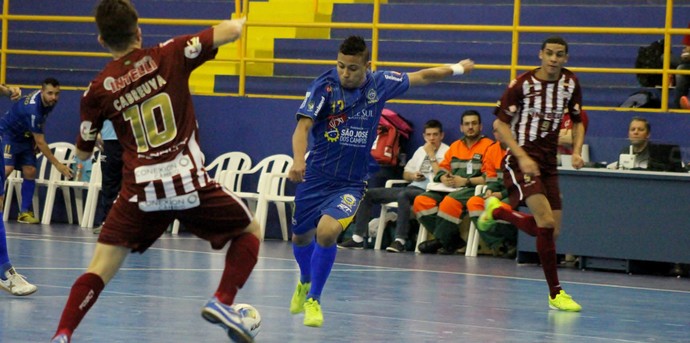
x=145, y=93
x=528, y=122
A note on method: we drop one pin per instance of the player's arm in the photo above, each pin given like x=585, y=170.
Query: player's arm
x=40, y=140
x=227, y=31
x=430, y=75
x=503, y=134
x=578, y=139
x=299, y=148
x=13, y=92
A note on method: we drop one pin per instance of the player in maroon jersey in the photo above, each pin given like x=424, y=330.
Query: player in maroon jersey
x=145, y=93
x=528, y=122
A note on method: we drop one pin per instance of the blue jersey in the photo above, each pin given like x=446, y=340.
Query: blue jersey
x=345, y=123
x=27, y=116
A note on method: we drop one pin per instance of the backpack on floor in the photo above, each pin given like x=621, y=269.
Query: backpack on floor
x=391, y=130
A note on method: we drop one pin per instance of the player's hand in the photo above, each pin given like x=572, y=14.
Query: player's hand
x=419, y=177
x=447, y=179
x=578, y=161
x=296, y=173
x=65, y=170
x=468, y=65
x=528, y=167
x=15, y=93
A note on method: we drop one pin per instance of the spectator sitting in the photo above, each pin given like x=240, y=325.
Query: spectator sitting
x=647, y=156
x=440, y=211
x=419, y=170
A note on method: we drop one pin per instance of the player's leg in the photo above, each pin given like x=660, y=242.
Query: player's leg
x=220, y=218
x=105, y=263
x=425, y=208
x=322, y=262
x=10, y=281
x=402, y=225
x=27, y=160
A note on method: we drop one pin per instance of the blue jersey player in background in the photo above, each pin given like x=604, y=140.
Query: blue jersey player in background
x=10, y=281
x=341, y=110
x=22, y=131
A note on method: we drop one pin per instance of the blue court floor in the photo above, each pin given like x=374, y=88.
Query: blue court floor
x=371, y=296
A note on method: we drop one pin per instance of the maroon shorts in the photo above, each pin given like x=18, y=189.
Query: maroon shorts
x=220, y=217
x=519, y=189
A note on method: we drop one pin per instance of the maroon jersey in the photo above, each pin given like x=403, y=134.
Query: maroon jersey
x=146, y=96
x=534, y=110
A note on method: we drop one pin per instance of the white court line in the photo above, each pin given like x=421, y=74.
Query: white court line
x=366, y=267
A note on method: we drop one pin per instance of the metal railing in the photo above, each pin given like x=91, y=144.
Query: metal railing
x=375, y=26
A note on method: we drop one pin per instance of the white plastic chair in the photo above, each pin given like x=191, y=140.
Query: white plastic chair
x=64, y=152
x=384, y=209
x=273, y=192
x=13, y=184
x=92, y=193
x=224, y=170
x=472, y=236
x=276, y=164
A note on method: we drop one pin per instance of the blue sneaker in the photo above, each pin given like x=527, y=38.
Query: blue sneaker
x=226, y=317
x=486, y=219
x=61, y=338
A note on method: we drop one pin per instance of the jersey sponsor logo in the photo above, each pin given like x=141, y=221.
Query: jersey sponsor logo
x=87, y=133
x=306, y=97
x=371, y=96
x=332, y=134
x=193, y=48
x=393, y=78
x=148, y=173
x=318, y=107
x=179, y=202
x=140, y=92
x=141, y=68
x=347, y=202
x=356, y=137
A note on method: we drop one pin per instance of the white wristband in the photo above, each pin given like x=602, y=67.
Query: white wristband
x=457, y=68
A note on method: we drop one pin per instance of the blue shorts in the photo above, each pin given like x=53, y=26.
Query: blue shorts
x=314, y=198
x=19, y=154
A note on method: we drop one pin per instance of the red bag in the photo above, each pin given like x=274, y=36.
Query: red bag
x=392, y=127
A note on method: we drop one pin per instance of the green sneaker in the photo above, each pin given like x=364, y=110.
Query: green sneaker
x=564, y=302
x=486, y=219
x=27, y=218
x=299, y=297
x=312, y=313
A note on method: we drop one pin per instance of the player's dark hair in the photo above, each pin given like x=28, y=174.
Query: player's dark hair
x=470, y=113
x=645, y=121
x=555, y=40
x=353, y=46
x=50, y=81
x=433, y=124
x=117, y=22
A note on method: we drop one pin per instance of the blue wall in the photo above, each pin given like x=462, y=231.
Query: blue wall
x=263, y=127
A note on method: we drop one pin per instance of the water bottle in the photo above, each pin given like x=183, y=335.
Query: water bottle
x=78, y=174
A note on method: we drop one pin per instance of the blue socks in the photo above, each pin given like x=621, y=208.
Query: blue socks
x=4, y=257
x=28, y=187
x=303, y=257
x=322, y=261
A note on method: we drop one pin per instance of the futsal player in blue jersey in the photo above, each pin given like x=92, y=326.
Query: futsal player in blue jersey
x=22, y=130
x=341, y=111
x=10, y=281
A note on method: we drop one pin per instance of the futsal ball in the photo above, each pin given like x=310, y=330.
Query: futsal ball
x=251, y=319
